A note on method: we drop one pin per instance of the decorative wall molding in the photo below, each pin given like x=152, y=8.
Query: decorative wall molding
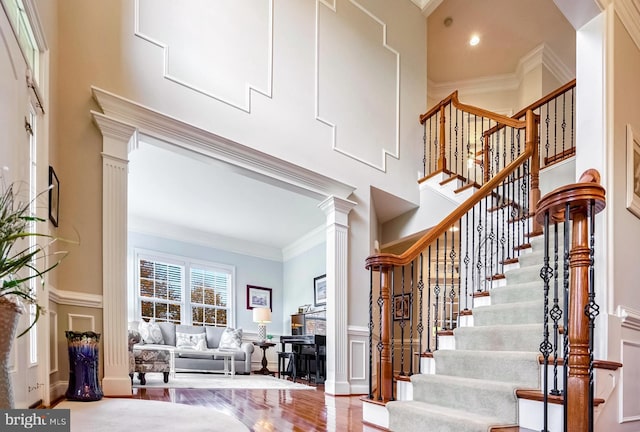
x=334, y=145
x=249, y=87
x=630, y=357
x=630, y=318
x=75, y=298
x=184, y=135
x=74, y=325
x=358, y=357
x=629, y=13
x=540, y=55
x=53, y=341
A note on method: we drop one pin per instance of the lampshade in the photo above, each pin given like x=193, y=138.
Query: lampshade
x=262, y=315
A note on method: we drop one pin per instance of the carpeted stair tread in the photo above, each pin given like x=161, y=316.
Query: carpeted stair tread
x=521, y=337
x=503, y=366
x=528, y=312
x=516, y=293
x=498, y=398
x=523, y=275
x=412, y=416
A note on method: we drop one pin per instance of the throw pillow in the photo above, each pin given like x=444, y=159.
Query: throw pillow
x=195, y=341
x=150, y=332
x=231, y=338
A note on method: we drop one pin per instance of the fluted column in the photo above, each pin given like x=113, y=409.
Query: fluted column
x=117, y=138
x=337, y=212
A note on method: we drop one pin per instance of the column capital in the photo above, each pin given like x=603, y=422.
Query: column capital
x=119, y=138
x=337, y=210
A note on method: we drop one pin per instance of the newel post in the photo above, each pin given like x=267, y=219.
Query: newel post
x=577, y=199
x=386, y=367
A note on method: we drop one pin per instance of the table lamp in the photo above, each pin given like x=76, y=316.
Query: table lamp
x=262, y=316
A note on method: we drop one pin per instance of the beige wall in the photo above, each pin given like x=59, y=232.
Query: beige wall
x=97, y=46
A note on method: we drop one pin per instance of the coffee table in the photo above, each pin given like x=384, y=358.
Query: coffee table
x=227, y=357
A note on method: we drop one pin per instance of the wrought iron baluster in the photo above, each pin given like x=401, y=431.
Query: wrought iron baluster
x=429, y=305
x=380, y=345
x=420, y=326
x=452, y=292
x=565, y=338
x=479, y=260
x=436, y=291
x=545, y=346
x=555, y=126
x=467, y=260
x=402, y=322
x=411, y=291
x=425, y=147
x=555, y=313
x=592, y=310
x=371, y=333
x=547, y=121
x=444, y=285
x=564, y=119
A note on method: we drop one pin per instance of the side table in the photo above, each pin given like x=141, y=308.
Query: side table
x=264, y=346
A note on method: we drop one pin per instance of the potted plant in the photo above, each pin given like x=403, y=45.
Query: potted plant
x=21, y=260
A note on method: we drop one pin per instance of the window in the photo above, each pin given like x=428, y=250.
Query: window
x=177, y=290
x=21, y=24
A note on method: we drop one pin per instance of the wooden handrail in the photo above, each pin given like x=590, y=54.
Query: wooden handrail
x=480, y=112
x=385, y=260
x=535, y=105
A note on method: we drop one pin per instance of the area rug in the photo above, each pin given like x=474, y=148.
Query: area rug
x=211, y=381
x=123, y=415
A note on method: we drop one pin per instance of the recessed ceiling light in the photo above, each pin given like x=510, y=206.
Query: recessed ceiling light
x=475, y=40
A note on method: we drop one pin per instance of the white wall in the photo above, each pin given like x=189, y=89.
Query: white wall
x=298, y=274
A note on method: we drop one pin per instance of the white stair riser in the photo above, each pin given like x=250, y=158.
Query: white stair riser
x=427, y=365
x=375, y=414
x=530, y=415
x=447, y=342
x=465, y=321
x=404, y=391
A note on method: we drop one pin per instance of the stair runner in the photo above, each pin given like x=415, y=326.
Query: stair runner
x=473, y=388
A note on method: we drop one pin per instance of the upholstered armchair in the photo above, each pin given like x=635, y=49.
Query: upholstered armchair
x=148, y=358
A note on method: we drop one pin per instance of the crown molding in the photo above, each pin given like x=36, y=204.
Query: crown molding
x=629, y=13
x=156, y=228
x=75, y=298
x=427, y=6
x=540, y=55
x=630, y=318
x=187, y=136
x=314, y=238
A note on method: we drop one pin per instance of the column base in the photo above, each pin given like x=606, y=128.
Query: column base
x=337, y=387
x=116, y=386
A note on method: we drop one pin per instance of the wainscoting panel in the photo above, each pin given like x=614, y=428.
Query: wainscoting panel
x=630, y=382
x=53, y=342
x=81, y=323
x=358, y=359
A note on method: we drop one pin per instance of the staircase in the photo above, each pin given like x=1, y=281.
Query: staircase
x=473, y=388
x=486, y=288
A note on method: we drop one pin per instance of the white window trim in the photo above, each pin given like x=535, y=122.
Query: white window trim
x=187, y=263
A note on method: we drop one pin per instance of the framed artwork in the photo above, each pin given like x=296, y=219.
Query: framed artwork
x=54, y=197
x=633, y=171
x=258, y=297
x=320, y=290
x=401, y=307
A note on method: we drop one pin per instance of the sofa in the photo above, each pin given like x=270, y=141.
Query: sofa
x=194, y=343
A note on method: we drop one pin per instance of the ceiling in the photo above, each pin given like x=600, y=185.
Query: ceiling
x=177, y=190
x=173, y=191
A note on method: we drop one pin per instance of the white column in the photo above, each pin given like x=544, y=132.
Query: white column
x=337, y=212
x=117, y=137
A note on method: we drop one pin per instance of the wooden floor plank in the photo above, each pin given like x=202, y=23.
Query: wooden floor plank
x=273, y=410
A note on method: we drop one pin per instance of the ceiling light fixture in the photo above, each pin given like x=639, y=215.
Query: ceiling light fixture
x=475, y=40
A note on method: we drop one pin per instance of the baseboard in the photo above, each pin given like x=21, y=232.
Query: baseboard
x=57, y=390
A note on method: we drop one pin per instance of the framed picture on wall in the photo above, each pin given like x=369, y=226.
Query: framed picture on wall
x=633, y=171
x=401, y=307
x=258, y=297
x=54, y=197
x=320, y=290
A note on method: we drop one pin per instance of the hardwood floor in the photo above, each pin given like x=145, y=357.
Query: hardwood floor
x=273, y=410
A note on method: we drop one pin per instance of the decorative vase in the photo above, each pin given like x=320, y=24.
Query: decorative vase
x=83, y=366
x=9, y=316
